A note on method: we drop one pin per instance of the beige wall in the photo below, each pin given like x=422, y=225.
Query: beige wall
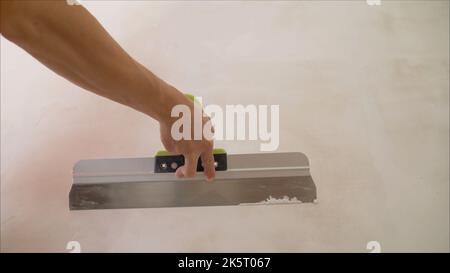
x=363, y=91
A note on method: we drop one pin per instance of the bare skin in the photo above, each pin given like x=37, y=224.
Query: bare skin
x=72, y=43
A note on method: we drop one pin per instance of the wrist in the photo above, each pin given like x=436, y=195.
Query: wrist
x=158, y=97
x=167, y=98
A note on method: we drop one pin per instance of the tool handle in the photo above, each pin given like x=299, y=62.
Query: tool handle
x=165, y=162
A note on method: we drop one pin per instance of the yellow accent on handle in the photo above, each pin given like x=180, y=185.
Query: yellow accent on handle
x=192, y=98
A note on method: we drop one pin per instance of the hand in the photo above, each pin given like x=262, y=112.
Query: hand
x=98, y=64
x=190, y=149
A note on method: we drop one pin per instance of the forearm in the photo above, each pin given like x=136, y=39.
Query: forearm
x=71, y=42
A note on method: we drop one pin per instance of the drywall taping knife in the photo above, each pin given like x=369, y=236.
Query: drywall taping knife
x=261, y=178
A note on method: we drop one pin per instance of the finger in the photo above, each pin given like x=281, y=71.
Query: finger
x=179, y=172
x=190, y=165
x=208, y=165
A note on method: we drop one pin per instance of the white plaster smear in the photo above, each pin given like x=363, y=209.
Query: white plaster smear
x=275, y=201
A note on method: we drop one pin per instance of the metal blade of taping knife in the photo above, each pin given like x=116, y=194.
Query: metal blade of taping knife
x=250, y=179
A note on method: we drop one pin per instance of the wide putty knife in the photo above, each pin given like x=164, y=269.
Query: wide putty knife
x=261, y=178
